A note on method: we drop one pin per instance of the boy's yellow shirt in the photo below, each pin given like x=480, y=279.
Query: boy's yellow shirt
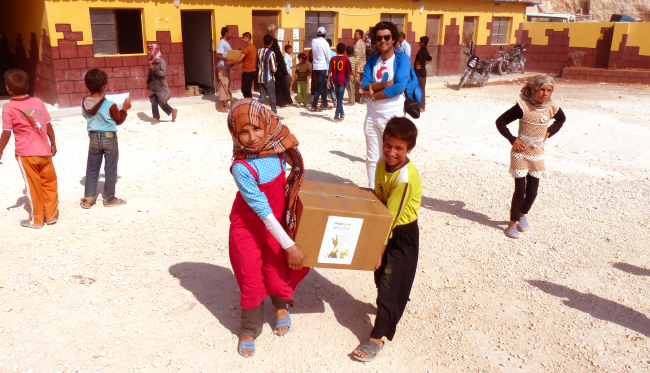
x=400, y=191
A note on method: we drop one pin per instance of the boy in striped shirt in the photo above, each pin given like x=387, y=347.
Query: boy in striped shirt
x=267, y=66
x=339, y=74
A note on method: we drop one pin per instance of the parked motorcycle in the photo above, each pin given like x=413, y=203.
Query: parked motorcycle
x=512, y=60
x=477, y=71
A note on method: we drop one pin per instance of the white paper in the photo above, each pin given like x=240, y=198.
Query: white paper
x=280, y=34
x=296, y=34
x=297, y=60
x=296, y=47
x=340, y=240
x=118, y=99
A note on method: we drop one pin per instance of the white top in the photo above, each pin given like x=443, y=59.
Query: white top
x=320, y=50
x=384, y=71
x=406, y=48
x=222, y=48
x=289, y=62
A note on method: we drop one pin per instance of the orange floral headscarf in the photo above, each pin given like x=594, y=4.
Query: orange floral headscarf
x=278, y=139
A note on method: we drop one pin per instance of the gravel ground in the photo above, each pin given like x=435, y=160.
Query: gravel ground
x=571, y=295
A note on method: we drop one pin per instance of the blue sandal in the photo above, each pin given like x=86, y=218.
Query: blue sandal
x=281, y=323
x=246, y=345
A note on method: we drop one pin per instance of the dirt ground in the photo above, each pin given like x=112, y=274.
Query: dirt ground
x=570, y=296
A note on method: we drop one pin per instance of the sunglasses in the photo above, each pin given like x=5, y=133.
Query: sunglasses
x=385, y=37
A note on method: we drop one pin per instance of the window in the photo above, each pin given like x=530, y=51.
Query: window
x=397, y=19
x=314, y=20
x=116, y=31
x=500, y=26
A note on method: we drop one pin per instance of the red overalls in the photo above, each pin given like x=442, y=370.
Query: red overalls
x=256, y=257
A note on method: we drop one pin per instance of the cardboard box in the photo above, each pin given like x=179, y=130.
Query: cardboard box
x=233, y=55
x=296, y=33
x=300, y=45
x=283, y=34
x=341, y=226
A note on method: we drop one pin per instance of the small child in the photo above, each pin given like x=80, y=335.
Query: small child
x=534, y=109
x=103, y=117
x=29, y=120
x=398, y=185
x=339, y=73
x=263, y=255
x=303, y=71
x=352, y=80
x=288, y=49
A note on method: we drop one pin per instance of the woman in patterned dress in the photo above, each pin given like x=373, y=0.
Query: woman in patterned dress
x=534, y=110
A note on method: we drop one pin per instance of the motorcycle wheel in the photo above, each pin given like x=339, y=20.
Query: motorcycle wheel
x=481, y=83
x=463, y=79
x=502, y=67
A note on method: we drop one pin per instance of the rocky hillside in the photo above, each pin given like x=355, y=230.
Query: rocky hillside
x=639, y=9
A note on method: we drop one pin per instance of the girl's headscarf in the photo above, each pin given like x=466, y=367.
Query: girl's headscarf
x=278, y=140
x=534, y=85
x=155, y=55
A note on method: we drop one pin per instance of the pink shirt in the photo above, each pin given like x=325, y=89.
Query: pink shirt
x=30, y=141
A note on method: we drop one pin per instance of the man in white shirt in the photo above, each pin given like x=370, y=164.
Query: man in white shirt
x=404, y=45
x=321, y=54
x=223, y=70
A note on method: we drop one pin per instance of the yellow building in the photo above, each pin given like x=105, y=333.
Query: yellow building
x=57, y=41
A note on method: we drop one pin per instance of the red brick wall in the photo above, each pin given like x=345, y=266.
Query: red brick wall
x=606, y=75
x=628, y=57
x=125, y=73
x=41, y=72
x=449, y=52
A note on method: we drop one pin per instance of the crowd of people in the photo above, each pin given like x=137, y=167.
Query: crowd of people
x=263, y=255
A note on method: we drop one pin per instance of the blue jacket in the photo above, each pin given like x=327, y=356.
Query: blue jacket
x=405, y=78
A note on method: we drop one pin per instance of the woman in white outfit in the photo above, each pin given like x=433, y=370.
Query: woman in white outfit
x=385, y=78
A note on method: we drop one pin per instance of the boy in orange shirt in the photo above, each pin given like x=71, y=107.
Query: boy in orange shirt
x=29, y=120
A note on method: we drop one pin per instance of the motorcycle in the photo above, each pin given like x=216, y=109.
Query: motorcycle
x=477, y=71
x=512, y=60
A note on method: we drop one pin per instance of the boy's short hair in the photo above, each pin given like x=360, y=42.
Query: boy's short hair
x=18, y=81
x=329, y=41
x=359, y=31
x=401, y=128
x=224, y=31
x=247, y=35
x=302, y=56
x=402, y=35
x=287, y=47
x=349, y=50
x=95, y=79
x=425, y=40
x=340, y=48
x=268, y=39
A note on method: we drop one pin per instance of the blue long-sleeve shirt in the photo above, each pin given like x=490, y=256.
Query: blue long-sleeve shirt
x=267, y=168
x=402, y=77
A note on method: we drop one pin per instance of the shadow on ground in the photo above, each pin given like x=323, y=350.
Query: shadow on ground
x=632, y=269
x=215, y=288
x=100, y=184
x=326, y=177
x=21, y=202
x=600, y=308
x=352, y=158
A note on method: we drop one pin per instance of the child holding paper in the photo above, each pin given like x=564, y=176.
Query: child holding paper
x=263, y=256
x=27, y=118
x=398, y=185
x=103, y=117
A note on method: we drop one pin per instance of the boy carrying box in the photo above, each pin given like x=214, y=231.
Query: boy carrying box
x=29, y=120
x=103, y=117
x=398, y=185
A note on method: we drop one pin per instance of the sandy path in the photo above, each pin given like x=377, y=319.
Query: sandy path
x=570, y=296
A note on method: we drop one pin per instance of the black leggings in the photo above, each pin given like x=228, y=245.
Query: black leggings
x=524, y=196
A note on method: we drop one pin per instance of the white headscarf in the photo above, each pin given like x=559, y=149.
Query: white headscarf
x=534, y=85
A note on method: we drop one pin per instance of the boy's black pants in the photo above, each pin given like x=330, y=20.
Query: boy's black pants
x=394, y=278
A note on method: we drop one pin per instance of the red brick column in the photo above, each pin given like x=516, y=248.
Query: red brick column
x=449, y=51
x=40, y=71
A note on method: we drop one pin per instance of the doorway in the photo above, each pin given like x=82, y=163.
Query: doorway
x=433, y=30
x=261, y=21
x=465, y=40
x=196, y=27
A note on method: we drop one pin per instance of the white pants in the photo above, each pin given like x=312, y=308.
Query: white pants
x=374, y=129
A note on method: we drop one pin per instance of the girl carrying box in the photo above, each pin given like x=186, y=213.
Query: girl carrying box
x=263, y=256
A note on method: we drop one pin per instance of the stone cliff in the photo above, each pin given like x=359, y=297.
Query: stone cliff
x=639, y=9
